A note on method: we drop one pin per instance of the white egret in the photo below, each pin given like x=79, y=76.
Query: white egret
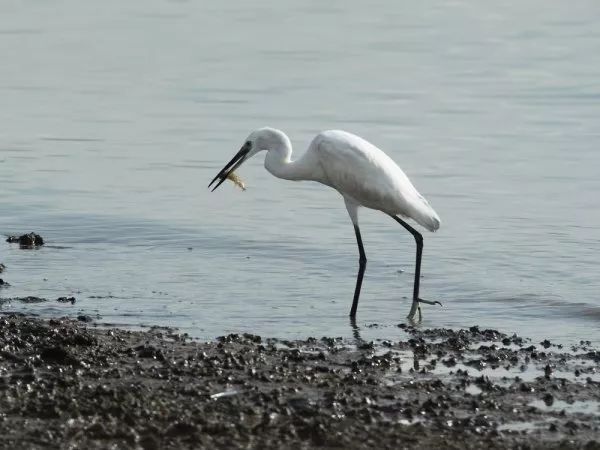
x=362, y=173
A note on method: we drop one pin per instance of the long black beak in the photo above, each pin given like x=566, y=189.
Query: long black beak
x=231, y=165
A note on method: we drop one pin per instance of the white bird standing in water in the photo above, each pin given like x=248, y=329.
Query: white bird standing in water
x=361, y=172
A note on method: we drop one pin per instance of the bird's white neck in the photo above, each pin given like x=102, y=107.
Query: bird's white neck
x=278, y=161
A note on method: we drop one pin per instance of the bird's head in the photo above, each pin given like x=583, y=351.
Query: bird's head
x=262, y=139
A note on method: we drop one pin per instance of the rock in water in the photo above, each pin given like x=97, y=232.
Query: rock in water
x=30, y=240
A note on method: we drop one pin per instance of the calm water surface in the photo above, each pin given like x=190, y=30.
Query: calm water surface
x=114, y=118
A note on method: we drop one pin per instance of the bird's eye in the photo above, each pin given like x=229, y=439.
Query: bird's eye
x=248, y=144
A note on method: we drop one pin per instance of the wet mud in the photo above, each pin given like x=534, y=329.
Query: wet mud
x=66, y=384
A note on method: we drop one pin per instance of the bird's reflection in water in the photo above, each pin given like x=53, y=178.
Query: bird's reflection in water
x=356, y=332
x=360, y=342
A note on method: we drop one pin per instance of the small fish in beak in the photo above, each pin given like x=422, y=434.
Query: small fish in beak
x=233, y=177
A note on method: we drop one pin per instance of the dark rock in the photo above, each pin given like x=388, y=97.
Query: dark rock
x=58, y=355
x=450, y=362
x=571, y=425
x=181, y=429
x=30, y=240
x=149, y=351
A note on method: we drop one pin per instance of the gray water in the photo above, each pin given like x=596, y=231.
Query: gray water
x=114, y=116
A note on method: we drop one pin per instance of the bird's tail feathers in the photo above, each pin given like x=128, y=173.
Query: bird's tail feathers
x=424, y=215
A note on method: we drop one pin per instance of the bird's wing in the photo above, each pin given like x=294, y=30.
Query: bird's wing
x=364, y=173
x=360, y=170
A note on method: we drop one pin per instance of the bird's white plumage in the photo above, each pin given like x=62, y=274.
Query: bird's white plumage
x=361, y=172
x=367, y=177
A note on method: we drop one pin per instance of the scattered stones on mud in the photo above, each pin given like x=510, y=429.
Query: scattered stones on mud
x=2, y=267
x=30, y=240
x=64, y=385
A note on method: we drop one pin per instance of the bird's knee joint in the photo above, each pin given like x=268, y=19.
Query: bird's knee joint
x=362, y=259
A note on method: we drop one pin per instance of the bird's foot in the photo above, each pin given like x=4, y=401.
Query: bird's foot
x=429, y=302
x=416, y=309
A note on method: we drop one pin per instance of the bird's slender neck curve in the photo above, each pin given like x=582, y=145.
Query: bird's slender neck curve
x=279, y=162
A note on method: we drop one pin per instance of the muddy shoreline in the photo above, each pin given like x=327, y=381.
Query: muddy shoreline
x=66, y=384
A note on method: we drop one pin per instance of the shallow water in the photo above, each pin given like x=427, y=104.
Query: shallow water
x=588, y=407
x=115, y=119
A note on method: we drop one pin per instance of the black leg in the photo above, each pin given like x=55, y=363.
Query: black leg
x=419, y=240
x=362, y=264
